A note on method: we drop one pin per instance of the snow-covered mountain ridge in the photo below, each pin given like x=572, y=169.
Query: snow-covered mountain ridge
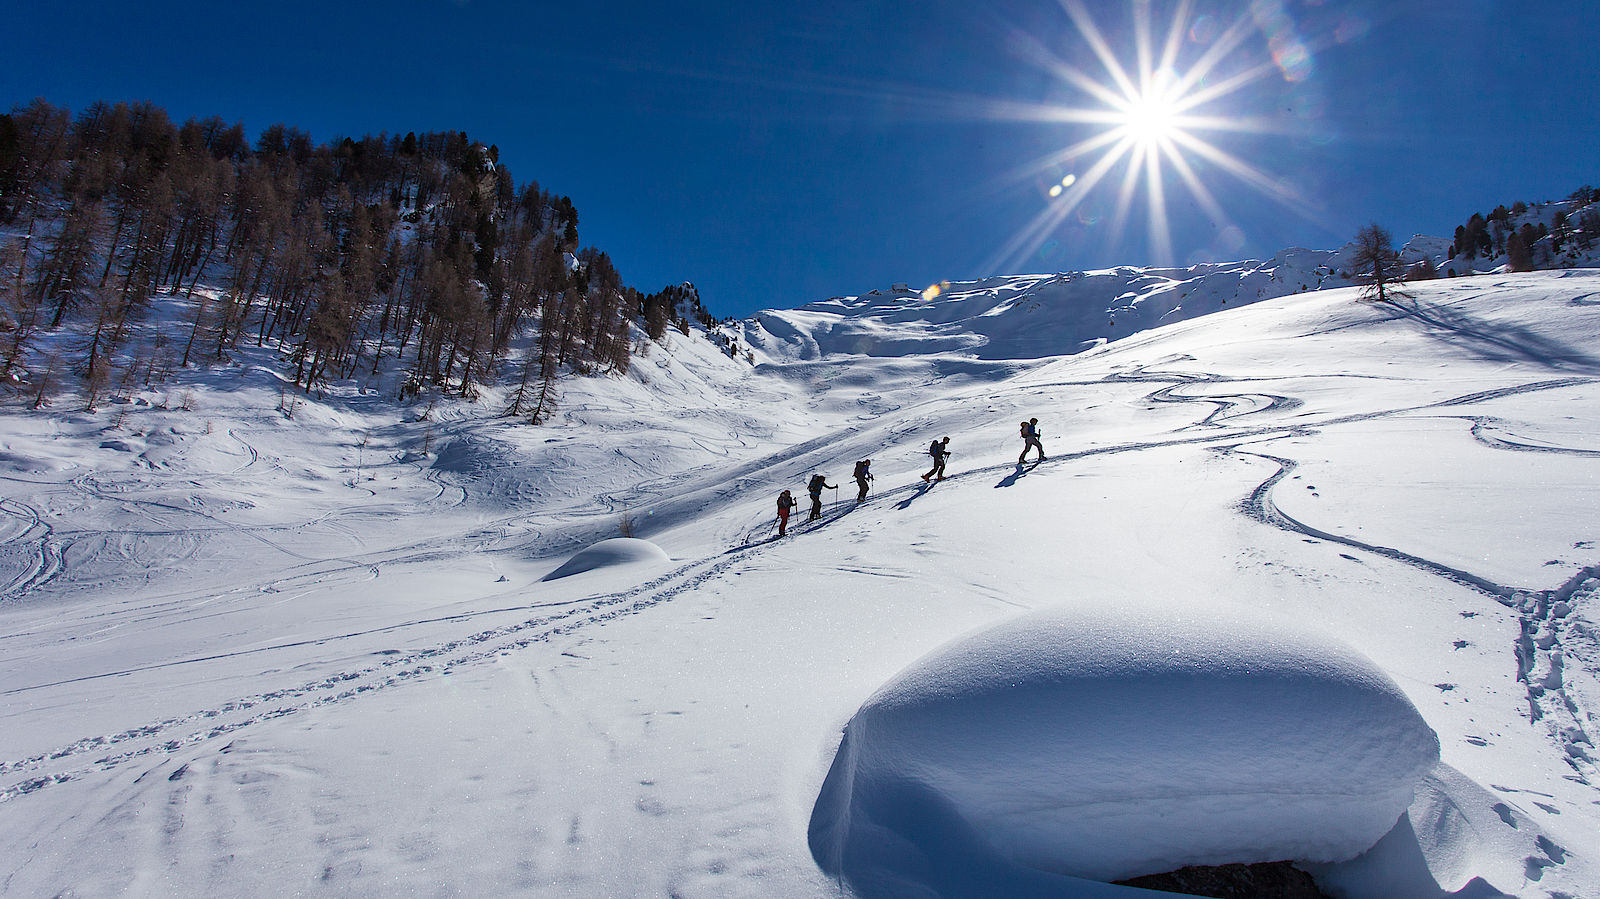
x=1035, y=316
x=1031, y=317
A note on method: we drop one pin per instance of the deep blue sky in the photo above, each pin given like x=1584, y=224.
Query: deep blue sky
x=779, y=153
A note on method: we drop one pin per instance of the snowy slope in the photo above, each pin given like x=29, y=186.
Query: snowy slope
x=246, y=655
x=1034, y=316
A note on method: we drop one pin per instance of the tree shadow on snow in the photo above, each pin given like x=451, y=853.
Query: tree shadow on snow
x=1495, y=341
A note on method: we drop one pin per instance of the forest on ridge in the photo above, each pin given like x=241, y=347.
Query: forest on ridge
x=418, y=256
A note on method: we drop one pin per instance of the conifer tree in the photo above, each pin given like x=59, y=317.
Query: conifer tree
x=1519, y=258
x=1376, y=263
x=301, y=245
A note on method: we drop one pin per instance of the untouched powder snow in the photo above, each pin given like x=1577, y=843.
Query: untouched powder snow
x=1106, y=743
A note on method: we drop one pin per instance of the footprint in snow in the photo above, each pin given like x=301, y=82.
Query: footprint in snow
x=1504, y=811
x=1555, y=852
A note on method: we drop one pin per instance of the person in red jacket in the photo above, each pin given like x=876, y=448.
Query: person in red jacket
x=786, y=503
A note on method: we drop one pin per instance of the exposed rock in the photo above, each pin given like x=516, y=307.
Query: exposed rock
x=1268, y=880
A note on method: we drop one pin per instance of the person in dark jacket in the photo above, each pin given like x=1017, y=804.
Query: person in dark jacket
x=818, y=484
x=940, y=450
x=863, y=477
x=1030, y=438
x=786, y=504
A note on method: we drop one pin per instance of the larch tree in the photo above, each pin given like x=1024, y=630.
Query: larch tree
x=418, y=251
x=1376, y=264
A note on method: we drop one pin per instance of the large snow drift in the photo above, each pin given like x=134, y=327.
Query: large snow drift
x=1109, y=745
x=610, y=554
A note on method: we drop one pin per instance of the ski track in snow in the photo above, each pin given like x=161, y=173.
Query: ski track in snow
x=121, y=492
x=1547, y=624
x=184, y=732
x=34, y=539
x=1552, y=640
x=1494, y=433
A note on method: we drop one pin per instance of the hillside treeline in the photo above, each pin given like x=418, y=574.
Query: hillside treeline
x=1532, y=237
x=417, y=255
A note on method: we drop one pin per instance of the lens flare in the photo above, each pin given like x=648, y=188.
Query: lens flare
x=1289, y=52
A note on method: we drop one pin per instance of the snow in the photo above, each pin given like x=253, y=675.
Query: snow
x=1032, y=316
x=617, y=551
x=248, y=654
x=1464, y=839
x=1111, y=742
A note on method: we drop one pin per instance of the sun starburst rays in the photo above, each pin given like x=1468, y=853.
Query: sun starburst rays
x=1150, y=114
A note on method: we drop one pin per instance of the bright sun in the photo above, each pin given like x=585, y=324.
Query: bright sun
x=1146, y=109
x=1151, y=119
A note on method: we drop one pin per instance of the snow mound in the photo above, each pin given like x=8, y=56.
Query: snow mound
x=610, y=554
x=1108, y=745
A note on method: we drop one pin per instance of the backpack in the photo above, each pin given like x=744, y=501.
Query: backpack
x=1024, y=430
x=817, y=482
x=934, y=449
x=861, y=470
